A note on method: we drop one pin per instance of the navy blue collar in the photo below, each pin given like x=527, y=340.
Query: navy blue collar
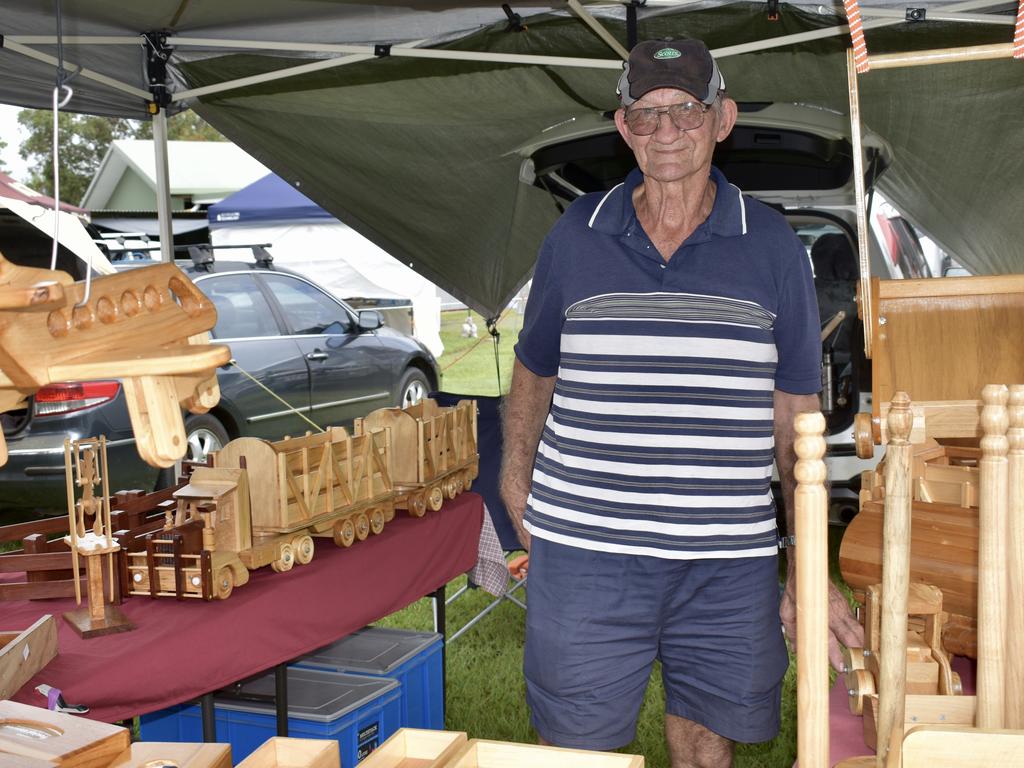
x=615, y=213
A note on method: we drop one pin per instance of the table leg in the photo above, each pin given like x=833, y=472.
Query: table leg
x=281, y=697
x=440, y=625
x=209, y=718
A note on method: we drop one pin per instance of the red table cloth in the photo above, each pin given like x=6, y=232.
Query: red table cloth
x=181, y=650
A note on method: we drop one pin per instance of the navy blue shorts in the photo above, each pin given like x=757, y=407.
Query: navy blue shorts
x=597, y=621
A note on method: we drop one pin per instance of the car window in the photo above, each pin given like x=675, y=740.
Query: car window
x=307, y=309
x=242, y=310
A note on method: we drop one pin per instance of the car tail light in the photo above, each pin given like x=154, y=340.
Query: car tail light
x=58, y=399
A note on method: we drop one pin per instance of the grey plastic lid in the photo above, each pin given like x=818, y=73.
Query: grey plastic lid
x=314, y=695
x=376, y=650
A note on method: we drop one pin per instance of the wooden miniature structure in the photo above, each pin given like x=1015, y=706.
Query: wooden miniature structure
x=23, y=654
x=85, y=466
x=282, y=752
x=59, y=739
x=148, y=327
x=409, y=747
x=434, y=451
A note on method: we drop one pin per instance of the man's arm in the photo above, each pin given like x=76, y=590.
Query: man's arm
x=526, y=410
x=843, y=627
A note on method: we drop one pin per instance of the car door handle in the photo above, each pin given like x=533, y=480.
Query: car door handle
x=316, y=356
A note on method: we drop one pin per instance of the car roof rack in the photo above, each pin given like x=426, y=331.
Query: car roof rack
x=202, y=253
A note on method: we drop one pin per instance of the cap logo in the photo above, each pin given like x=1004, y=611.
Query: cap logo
x=667, y=53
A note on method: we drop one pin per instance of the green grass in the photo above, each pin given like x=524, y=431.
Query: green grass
x=467, y=365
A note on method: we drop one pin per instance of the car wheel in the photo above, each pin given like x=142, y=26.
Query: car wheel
x=204, y=434
x=414, y=387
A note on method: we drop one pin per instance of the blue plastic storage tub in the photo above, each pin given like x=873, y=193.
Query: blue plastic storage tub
x=412, y=658
x=360, y=712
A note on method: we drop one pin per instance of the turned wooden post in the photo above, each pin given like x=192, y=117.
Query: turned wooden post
x=992, y=557
x=892, y=675
x=1014, y=648
x=811, y=515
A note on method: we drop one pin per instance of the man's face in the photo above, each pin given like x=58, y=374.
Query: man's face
x=671, y=154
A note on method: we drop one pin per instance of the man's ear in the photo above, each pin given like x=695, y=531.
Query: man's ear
x=726, y=118
x=620, y=123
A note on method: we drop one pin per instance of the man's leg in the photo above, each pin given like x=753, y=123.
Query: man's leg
x=691, y=745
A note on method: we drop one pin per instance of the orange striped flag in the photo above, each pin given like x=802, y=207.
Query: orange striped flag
x=860, y=48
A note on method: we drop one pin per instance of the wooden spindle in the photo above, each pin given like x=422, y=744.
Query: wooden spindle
x=1014, y=647
x=811, y=514
x=892, y=675
x=992, y=557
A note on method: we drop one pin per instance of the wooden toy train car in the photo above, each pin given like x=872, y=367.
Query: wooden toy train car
x=261, y=503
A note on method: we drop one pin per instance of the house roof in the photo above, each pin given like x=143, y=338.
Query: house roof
x=15, y=190
x=205, y=170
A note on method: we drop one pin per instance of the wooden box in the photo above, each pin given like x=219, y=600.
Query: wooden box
x=64, y=740
x=281, y=752
x=478, y=753
x=158, y=754
x=416, y=748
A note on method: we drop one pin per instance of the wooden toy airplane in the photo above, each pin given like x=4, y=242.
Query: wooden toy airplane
x=148, y=327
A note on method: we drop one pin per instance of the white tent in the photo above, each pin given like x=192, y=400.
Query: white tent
x=308, y=240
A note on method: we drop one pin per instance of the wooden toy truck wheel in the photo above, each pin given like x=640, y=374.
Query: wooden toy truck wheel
x=362, y=526
x=467, y=480
x=304, y=548
x=285, y=559
x=224, y=584
x=958, y=686
x=418, y=504
x=451, y=488
x=376, y=521
x=436, y=498
x=859, y=685
x=344, y=533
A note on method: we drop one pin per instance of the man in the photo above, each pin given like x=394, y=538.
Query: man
x=671, y=335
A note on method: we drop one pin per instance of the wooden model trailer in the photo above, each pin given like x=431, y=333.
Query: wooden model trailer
x=261, y=504
x=434, y=451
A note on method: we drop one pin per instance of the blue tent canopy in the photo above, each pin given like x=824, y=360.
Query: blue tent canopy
x=270, y=199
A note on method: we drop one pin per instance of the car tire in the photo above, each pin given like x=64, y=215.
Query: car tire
x=414, y=387
x=204, y=434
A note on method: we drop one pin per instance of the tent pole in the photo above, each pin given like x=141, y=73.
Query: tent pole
x=163, y=186
x=866, y=305
x=598, y=29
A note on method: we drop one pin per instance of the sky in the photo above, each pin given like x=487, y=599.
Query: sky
x=9, y=132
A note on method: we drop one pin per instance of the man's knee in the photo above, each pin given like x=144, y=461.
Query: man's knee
x=691, y=745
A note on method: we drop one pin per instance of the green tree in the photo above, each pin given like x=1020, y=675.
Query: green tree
x=84, y=141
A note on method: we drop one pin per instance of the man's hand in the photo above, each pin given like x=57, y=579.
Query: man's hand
x=844, y=629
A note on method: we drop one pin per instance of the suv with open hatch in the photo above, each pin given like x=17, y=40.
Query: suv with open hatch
x=296, y=350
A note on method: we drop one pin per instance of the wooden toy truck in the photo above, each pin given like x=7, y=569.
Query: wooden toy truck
x=262, y=503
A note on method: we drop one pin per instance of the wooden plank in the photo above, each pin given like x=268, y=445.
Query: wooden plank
x=40, y=562
x=1015, y=560
x=960, y=747
x=24, y=654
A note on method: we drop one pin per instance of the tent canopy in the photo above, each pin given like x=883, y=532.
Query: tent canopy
x=270, y=199
x=412, y=143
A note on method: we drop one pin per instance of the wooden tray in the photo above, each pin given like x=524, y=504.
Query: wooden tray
x=22, y=654
x=157, y=754
x=281, y=752
x=64, y=740
x=415, y=748
x=500, y=754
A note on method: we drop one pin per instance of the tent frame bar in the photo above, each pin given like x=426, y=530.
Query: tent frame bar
x=599, y=29
x=14, y=46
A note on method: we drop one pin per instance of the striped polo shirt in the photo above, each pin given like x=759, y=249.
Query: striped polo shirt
x=660, y=436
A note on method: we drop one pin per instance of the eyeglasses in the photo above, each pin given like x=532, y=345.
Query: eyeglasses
x=687, y=115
